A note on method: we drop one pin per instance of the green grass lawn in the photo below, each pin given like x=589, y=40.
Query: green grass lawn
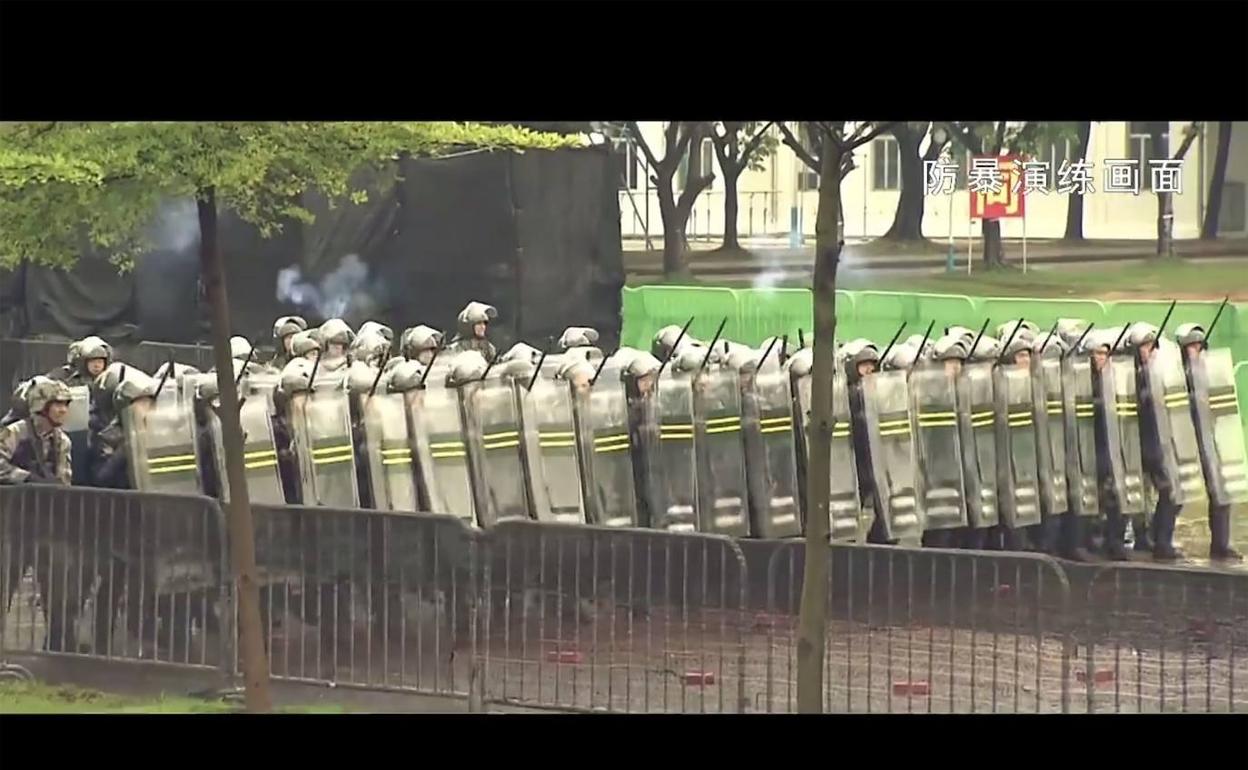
x=1106, y=280
x=36, y=698
x=1210, y=280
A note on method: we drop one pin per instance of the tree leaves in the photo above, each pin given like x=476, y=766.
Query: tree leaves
x=64, y=186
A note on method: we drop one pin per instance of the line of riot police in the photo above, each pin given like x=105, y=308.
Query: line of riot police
x=1027, y=440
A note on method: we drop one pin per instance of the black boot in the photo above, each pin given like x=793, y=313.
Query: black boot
x=1073, y=534
x=1048, y=535
x=1115, y=534
x=1143, y=538
x=1163, y=529
x=1220, y=535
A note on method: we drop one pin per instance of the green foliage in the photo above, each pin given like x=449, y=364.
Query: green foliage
x=1030, y=138
x=66, y=186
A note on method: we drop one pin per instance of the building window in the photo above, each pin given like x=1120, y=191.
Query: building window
x=698, y=161
x=1148, y=141
x=886, y=163
x=627, y=161
x=1231, y=216
x=807, y=178
x=707, y=166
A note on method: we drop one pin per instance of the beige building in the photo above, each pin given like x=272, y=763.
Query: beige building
x=771, y=199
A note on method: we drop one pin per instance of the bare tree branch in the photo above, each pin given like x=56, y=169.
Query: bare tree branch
x=752, y=144
x=878, y=129
x=1193, y=131
x=791, y=141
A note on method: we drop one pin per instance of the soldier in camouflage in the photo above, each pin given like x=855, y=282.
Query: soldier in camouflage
x=474, y=324
x=35, y=450
x=284, y=331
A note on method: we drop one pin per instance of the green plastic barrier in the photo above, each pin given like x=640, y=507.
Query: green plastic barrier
x=947, y=310
x=1241, y=389
x=1153, y=311
x=1042, y=312
x=762, y=313
x=649, y=308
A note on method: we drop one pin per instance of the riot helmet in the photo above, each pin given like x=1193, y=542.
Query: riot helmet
x=419, y=343
x=370, y=347
x=665, y=338
x=466, y=367
x=49, y=398
x=474, y=320
x=1191, y=337
x=94, y=355
x=861, y=357
x=1018, y=351
x=285, y=327
x=1026, y=330
x=405, y=376
x=951, y=350
x=371, y=327
x=901, y=357
x=521, y=351
x=1070, y=329
x=304, y=345
x=988, y=349
x=336, y=337
x=801, y=362
x=240, y=348
x=578, y=337
x=1142, y=337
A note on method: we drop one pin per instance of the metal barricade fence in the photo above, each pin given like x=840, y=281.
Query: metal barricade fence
x=1159, y=639
x=917, y=630
x=114, y=575
x=603, y=619
x=368, y=599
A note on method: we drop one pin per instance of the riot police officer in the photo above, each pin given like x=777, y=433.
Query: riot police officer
x=1192, y=339
x=861, y=359
x=284, y=330
x=578, y=337
x=86, y=359
x=474, y=324
x=1142, y=339
x=35, y=450
x=1109, y=482
x=336, y=338
x=419, y=343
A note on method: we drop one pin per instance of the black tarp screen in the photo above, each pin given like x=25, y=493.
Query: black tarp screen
x=535, y=234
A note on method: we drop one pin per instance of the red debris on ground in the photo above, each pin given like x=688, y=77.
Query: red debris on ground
x=911, y=688
x=699, y=678
x=565, y=656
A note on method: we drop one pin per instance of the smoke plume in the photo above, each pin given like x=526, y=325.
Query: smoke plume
x=344, y=291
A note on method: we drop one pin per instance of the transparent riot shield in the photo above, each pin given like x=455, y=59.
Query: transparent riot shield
x=848, y=519
x=1079, y=416
x=607, y=465
x=1049, y=415
x=1110, y=473
x=886, y=399
x=1015, y=428
x=1127, y=409
x=323, y=440
x=721, y=483
x=437, y=427
x=938, y=448
x=75, y=427
x=161, y=435
x=255, y=414
x=771, y=453
x=551, y=449
x=1218, y=427
x=494, y=432
x=675, y=461
x=387, y=451
x=976, y=428
x=1169, y=411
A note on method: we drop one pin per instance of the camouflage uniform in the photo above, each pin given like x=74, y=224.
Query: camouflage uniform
x=26, y=458
x=474, y=313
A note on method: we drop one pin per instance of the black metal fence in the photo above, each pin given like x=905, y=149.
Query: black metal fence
x=602, y=619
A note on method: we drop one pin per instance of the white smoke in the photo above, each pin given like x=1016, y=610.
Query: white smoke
x=768, y=279
x=177, y=226
x=340, y=292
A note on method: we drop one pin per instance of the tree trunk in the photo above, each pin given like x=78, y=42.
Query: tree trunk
x=1074, y=202
x=1165, y=224
x=1209, y=228
x=812, y=622
x=242, y=544
x=994, y=252
x=730, y=207
x=675, y=261
x=908, y=220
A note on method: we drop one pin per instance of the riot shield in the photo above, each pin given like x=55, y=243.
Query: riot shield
x=886, y=401
x=161, y=435
x=1167, y=414
x=323, y=440
x=675, y=491
x=76, y=427
x=607, y=463
x=1128, y=412
x=492, y=416
x=938, y=448
x=387, y=451
x=551, y=449
x=1110, y=472
x=721, y=483
x=264, y=481
x=977, y=431
x=1218, y=428
x=436, y=425
x=1015, y=430
x=771, y=453
x=1079, y=417
x=1049, y=415
x=848, y=520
